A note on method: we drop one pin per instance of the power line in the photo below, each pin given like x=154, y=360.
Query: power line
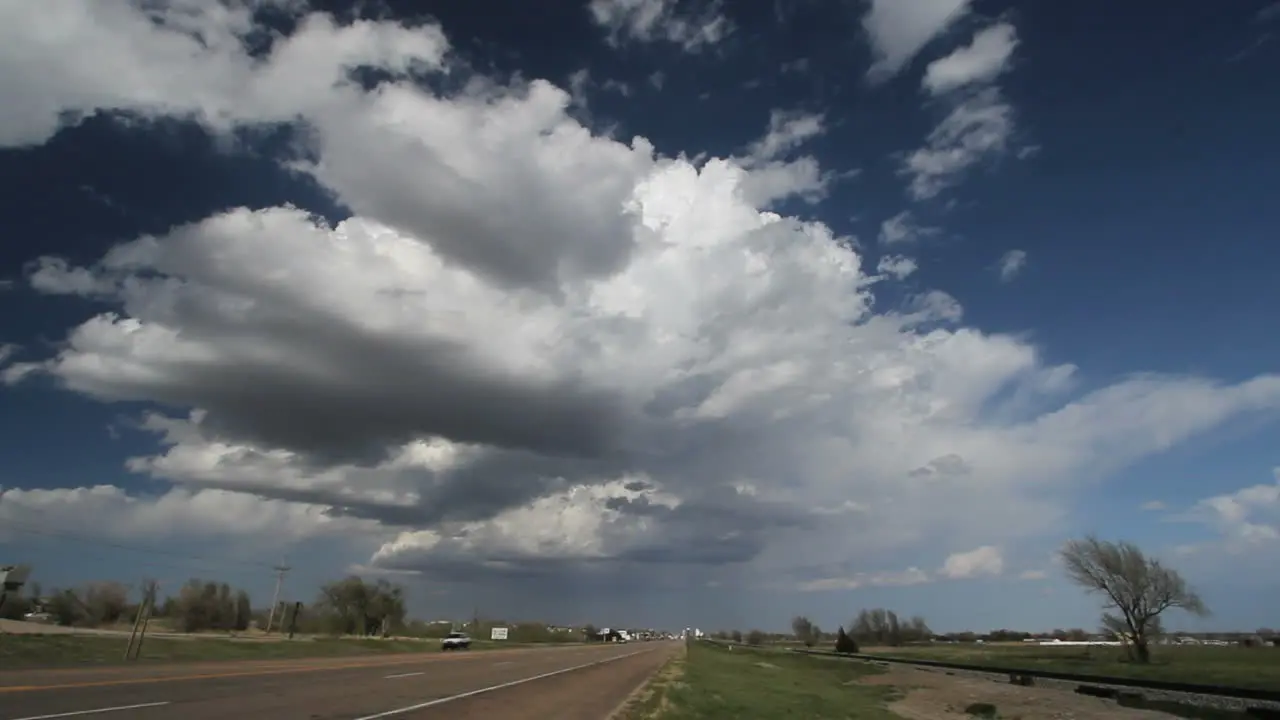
x=211, y=566
x=67, y=535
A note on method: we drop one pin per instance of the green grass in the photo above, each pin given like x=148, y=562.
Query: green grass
x=40, y=651
x=1230, y=666
x=713, y=682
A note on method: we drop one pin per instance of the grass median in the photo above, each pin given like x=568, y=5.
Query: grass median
x=710, y=682
x=63, y=650
x=1203, y=664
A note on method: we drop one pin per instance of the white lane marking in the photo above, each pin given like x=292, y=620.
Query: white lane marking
x=393, y=677
x=94, y=711
x=491, y=688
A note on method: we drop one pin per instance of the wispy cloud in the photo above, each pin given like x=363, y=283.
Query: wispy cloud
x=982, y=60
x=653, y=20
x=787, y=130
x=896, y=578
x=1011, y=264
x=980, y=122
x=903, y=228
x=976, y=128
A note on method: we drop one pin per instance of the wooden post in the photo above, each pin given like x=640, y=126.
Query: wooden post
x=137, y=621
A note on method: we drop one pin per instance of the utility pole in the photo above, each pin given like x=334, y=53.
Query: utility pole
x=280, y=569
x=293, y=619
x=144, y=614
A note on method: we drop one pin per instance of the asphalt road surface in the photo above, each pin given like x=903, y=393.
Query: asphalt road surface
x=570, y=683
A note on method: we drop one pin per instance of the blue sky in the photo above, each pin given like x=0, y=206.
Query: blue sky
x=643, y=311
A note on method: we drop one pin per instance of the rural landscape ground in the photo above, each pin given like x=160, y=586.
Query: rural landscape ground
x=44, y=674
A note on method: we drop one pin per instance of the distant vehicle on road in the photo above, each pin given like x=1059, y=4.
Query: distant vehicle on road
x=455, y=641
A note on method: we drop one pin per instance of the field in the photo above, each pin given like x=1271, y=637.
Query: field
x=714, y=683
x=55, y=650
x=1231, y=666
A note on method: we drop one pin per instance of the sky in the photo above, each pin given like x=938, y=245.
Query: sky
x=644, y=312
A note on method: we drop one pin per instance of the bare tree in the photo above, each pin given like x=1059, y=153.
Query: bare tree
x=105, y=602
x=1138, y=587
x=804, y=629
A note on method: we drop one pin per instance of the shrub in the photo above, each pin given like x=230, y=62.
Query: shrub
x=982, y=710
x=844, y=643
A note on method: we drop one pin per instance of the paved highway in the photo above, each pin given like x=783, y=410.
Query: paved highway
x=570, y=683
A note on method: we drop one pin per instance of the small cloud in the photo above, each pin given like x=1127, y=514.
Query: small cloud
x=897, y=30
x=983, y=561
x=8, y=350
x=618, y=86
x=1033, y=575
x=799, y=65
x=1011, y=264
x=1246, y=518
x=579, y=80
x=902, y=228
x=1152, y=505
x=950, y=464
x=787, y=130
x=361, y=569
x=656, y=79
x=1028, y=151
x=1268, y=13
x=896, y=266
x=981, y=61
x=897, y=578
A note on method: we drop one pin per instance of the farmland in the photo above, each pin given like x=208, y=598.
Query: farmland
x=1233, y=666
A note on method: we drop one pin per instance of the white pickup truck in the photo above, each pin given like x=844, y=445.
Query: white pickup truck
x=455, y=641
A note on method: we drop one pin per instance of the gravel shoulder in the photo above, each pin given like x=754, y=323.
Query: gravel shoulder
x=935, y=695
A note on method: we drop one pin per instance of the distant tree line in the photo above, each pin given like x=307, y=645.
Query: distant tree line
x=879, y=626
x=1136, y=591
x=350, y=606
x=92, y=604
x=205, y=605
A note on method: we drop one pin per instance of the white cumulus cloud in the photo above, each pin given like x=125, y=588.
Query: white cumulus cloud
x=533, y=348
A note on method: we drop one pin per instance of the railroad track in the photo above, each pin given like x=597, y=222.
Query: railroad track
x=1256, y=702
